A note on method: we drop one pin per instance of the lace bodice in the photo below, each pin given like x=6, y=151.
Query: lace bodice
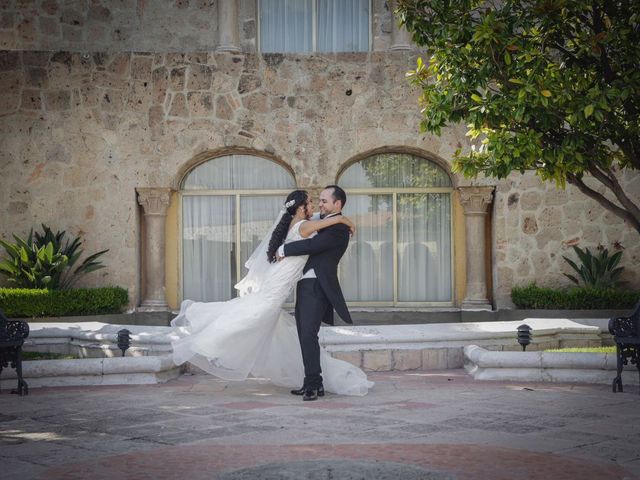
x=294, y=233
x=284, y=274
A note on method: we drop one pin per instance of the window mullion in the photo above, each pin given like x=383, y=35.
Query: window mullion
x=238, y=239
x=314, y=26
x=395, y=247
x=370, y=46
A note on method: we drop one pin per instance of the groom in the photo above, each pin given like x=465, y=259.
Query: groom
x=318, y=291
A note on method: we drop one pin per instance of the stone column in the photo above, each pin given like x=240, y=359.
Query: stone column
x=400, y=38
x=154, y=203
x=228, y=35
x=475, y=201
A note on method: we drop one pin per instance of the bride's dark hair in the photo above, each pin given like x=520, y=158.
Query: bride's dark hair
x=294, y=200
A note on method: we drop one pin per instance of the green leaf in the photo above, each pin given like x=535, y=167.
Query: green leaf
x=588, y=110
x=477, y=98
x=545, y=93
x=572, y=278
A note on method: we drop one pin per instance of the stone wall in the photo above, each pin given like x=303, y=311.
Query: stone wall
x=140, y=25
x=102, y=97
x=536, y=224
x=82, y=25
x=79, y=132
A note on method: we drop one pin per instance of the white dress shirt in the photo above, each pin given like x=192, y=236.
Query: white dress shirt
x=311, y=273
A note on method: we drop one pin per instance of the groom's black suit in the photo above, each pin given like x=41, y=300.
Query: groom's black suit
x=318, y=297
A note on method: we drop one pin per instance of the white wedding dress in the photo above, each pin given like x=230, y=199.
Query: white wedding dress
x=251, y=335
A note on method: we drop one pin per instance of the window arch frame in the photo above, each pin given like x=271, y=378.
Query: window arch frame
x=394, y=192
x=237, y=195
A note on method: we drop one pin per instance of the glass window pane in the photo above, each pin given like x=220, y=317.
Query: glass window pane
x=237, y=172
x=394, y=170
x=286, y=26
x=257, y=214
x=424, y=247
x=343, y=25
x=366, y=269
x=208, y=248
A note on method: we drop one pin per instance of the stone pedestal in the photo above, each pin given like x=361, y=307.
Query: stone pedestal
x=476, y=201
x=400, y=37
x=228, y=35
x=154, y=203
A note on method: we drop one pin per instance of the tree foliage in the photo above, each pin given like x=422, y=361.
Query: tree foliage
x=550, y=85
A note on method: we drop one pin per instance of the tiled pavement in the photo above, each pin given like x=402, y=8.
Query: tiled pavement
x=436, y=425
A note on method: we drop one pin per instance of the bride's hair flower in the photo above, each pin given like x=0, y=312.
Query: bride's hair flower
x=290, y=203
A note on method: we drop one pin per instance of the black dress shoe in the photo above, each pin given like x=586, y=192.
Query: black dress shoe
x=310, y=394
x=301, y=391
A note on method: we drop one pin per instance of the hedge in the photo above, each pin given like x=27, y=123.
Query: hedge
x=534, y=297
x=23, y=302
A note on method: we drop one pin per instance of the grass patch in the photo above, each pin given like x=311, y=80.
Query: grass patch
x=583, y=350
x=47, y=356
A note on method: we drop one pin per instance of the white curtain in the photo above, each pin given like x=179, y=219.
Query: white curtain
x=286, y=26
x=394, y=170
x=343, y=25
x=209, y=230
x=238, y=172
x=208, y=248
x=257, y=214
x=366, y=270
x=424, y=247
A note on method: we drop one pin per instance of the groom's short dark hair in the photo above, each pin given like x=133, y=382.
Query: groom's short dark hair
x=338, y=194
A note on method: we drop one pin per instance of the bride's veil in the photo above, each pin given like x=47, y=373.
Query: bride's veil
x=257, y=264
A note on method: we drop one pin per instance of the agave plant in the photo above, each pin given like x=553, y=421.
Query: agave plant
x=597, y=270
x=46, y=260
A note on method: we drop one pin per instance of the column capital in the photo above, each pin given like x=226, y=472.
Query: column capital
x=476, y=200
x=154, y=200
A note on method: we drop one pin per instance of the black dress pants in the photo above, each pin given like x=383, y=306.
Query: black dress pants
x=311, y=306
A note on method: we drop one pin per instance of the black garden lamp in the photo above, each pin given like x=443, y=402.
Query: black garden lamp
x=524, y=335
x=124, y=340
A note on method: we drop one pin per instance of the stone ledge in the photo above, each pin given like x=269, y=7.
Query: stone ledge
x=94, y=371
x=373, y=348
x=483, y=364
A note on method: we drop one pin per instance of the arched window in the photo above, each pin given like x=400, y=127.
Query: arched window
x=402, y=251
x=228, y=204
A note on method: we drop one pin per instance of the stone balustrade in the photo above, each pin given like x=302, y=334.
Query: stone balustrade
x=373, y=348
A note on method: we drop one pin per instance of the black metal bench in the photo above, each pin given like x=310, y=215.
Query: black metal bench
x=12, y=335
x=626, y=333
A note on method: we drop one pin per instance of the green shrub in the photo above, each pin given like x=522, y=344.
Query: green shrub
x=580, y=298
x=46, y=260
x=23, y=302
x=596, y=270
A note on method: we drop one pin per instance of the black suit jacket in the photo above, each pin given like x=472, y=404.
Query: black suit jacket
x=325, y=251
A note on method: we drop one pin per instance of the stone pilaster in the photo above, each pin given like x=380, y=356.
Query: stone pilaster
x=475, y=202
x=154, y=202
x=400, y=37
x=228, y=35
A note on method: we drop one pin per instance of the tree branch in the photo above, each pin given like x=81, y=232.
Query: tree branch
x=602, y=200
x=620, y=194
x=630, y=150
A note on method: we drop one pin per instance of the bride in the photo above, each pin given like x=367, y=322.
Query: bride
x=251, y=335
